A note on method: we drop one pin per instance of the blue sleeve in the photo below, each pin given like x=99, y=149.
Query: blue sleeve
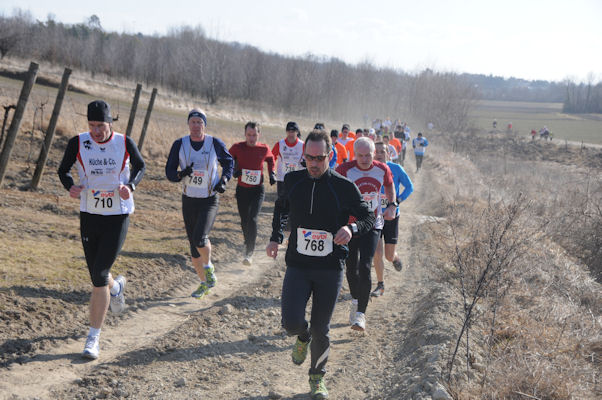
x=333, y=162
x=406, y=182
x=426, y=142
x=224, y=157
x=173, y=162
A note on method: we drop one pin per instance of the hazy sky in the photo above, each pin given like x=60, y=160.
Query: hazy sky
x=529, y=39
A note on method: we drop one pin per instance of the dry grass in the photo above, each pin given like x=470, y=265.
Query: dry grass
x=536, y=331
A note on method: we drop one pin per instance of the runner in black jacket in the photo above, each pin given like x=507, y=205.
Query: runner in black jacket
x=318, y=203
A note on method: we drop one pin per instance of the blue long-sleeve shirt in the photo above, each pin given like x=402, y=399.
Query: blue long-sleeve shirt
x=223, y=157
x=400, y=177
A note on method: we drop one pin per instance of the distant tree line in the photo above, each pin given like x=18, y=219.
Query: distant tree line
x=492, y=87
x=186, y=61
x=583, y=98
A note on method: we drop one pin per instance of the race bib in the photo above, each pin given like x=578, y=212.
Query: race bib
x=103, y=201
x=311, y=242
x=251, y=177
x=383, y=201
x=196, y=179
x=290, y=167
x=371, y=199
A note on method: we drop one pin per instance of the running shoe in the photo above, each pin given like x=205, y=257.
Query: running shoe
x=201, y=291
x=397, y=264
x=210, y=275
x=247, y=261
x=118, y=300
x=91, y=349
x=359, y=324
x=300, y=351
x=379, y=291
x=352, y=312
x=317, y=387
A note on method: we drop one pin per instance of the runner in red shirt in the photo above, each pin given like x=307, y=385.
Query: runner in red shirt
x=249, y=157
x=369, y=176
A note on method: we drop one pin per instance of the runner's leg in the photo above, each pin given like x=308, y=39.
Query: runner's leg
x=326, y=287
x=367, y=248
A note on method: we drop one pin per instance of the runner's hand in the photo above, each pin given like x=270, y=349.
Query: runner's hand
x=124, y=192
x=237, y=173
x=272, y=178
x=220, y=187
x=272, y=250
x=186, y=171
x=75, y=190
x=343, y=236
x=389, y=213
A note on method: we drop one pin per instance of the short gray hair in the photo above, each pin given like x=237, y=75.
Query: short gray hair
x=364, y=141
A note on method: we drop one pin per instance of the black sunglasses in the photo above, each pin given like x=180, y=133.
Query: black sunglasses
x=316, y=158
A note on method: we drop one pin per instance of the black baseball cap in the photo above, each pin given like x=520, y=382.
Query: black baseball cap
x=100, y=111
x=345, y=126
x=292, y=126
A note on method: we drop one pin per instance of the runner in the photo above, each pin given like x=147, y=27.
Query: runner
x=318, y=205
x=398, y=147
x=349, y=145
x=419, y=144
x=390, y=148
x=105, y=191
x=390, y=228
x=250, y=156
x=341, y=152
x=369, y=176
x=288, y=154
x=198, y=156
x=346, y=135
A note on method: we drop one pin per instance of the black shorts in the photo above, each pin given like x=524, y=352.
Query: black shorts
x=102, y=239
x=199, y=215
x=391, y=230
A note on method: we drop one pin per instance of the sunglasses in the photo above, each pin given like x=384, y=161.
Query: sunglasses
x=316, y=158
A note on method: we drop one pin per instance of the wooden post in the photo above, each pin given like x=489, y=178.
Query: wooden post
x=37, y=175
x=149, y=110
x=16, y=121
x=128, y=131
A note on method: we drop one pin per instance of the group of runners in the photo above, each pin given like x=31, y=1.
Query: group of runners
x=342, y=215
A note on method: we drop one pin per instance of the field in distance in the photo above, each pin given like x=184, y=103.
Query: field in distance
x=530, y=115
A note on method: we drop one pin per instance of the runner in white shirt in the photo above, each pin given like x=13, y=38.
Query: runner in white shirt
x=369, y=176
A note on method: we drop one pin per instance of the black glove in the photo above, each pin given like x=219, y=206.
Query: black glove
x=421, y=144
x=237, y=173
x=303, y=164
x=272, y=178
x=220, y=187
x=186, y=171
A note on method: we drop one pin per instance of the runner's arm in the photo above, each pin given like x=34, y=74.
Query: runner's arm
x=408, y=186
x=138, y=164
x=69, y=159
x=359, y=209
x=269, y=158
x=173, y=161
x=281, y=209
x=224, y=157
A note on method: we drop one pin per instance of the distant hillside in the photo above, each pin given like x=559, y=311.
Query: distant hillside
x=492, y=87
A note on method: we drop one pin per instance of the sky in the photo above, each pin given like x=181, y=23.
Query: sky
x=529, y=39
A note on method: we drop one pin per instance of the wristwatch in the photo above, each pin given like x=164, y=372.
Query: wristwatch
x=353, y=227
x=132, y=186
x=392, y=203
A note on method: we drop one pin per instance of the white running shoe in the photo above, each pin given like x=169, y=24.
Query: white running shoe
x=247, y=261
x=118, y=300
x=91, y=349
x=352, y=312
x=360, y=322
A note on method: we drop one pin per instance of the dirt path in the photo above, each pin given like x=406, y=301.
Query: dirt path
x=231, y=346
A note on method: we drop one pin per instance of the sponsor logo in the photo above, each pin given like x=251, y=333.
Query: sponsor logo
x=87, y=144
x=314, y=235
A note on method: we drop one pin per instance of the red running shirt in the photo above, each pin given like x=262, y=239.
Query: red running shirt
x=251, y=159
